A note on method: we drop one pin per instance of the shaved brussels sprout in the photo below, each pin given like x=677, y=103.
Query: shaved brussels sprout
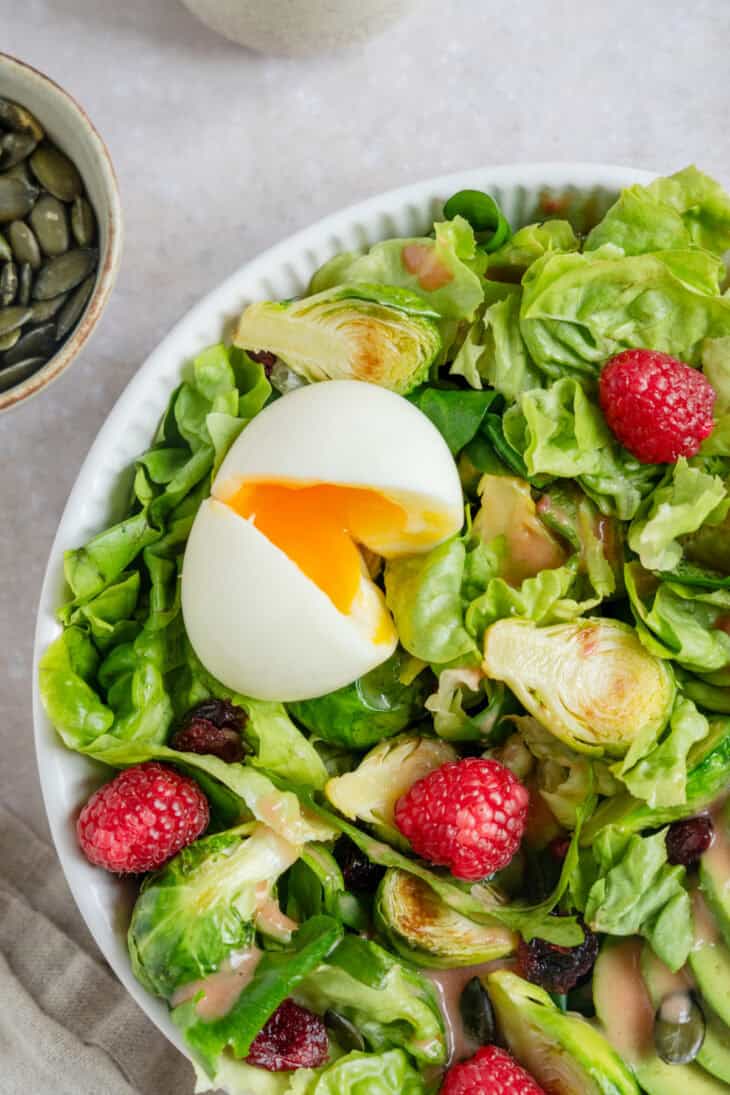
x=370, y=793
x=208, y=901
x=562, y=1050
x=591, y=683
x=422, y=928
x=377, y=333
x=374, y=707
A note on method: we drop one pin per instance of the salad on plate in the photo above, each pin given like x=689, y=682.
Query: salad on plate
x=412, y=654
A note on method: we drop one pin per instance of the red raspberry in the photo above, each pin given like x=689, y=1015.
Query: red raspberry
x=292, y=1038
x=491, y=1071
x=468, y=815
x=141, y=819
x=658, y=407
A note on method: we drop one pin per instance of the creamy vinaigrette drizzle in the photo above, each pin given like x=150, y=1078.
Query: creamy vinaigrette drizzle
x=449, y=986
x=221, y=989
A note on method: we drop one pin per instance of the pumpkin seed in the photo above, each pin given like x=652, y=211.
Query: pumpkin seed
x=42, y=310
x=24, y=244
x=74, y=306
x=679, y=1028
x=11, y=318
x=65, y=272
x=55, y=172
x=15, y=147
x=477, y=1013
x=20, y=171
x=38, y=342
x=346, y=1034
x=6, y=252
x=15, y=374
x=16, y=117
x=8, y=341
x=50, y=224
x=16, y=198
x=83, y=222
x=8, y=283
x=25, y=283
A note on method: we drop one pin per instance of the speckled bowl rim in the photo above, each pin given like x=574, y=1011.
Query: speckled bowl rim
x=67, y=778
x=109, y=261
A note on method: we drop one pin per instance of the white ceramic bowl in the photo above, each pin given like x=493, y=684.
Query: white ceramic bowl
x=67, y=778
x=67, y=124
x=297, y=26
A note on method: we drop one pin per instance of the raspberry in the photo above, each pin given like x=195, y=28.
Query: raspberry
x=687, y=840
x=213, y=727
x=141, y=819
x=557, y=969
x=491, y=1071
x=292, y=1038
x=658, y=407
x=468, y=815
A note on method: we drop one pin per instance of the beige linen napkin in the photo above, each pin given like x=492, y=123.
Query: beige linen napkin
x=67, y=1027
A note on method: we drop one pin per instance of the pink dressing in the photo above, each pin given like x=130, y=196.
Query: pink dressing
x=706, y=933
x=269, y=918
x=449, y=986
x=717, y=855
x=221, y=989
x=632, y=1032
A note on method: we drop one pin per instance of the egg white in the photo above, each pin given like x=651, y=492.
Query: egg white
x=255, y=620
x=261, y=626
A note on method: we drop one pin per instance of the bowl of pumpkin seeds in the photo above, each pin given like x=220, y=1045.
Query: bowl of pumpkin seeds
x=60, y=230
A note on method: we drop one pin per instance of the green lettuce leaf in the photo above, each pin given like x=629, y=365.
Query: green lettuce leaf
x=636, y=892
x=494, y=351
x=580, y=309
x=660, y=777
x=389, y=1073
x=467, y=706
x=424, y=594
x=532, y=242
x=702, y=203
x=445, y=271
x=560, y=431
x=280, y=747
x=392, y=1005
x=681, y=504
x=680, y=621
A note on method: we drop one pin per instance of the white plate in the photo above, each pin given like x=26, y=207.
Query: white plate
x=101, y=487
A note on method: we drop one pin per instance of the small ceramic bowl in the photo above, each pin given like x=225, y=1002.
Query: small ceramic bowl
x=296, y=27
x=67, y=124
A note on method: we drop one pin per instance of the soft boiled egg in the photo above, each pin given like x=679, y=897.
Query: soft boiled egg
x=277, y=599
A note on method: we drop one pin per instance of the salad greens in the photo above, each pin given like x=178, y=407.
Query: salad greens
x=576, y=629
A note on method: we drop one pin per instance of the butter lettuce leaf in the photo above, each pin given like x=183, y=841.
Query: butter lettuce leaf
x=446, y=271
x=494, y=351
x=580, y=309
x=660, y=777
x=681, y=504
x=636, y=892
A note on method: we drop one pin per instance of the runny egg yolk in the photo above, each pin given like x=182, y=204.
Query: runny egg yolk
x=318, y=527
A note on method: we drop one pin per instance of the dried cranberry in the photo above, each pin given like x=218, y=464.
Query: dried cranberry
x=292, y=1038
x=558, y=847
x=213, y=727
x=265, y=358
x=360, y=875
x=687, y=840
x=557, y=969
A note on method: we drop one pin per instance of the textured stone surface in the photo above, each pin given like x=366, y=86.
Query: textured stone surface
x=221, y=152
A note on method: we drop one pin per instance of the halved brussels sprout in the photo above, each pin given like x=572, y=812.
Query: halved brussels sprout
x=377, y=333
x=384, y=774
x=422, y=928
x=206, y=902
x=373, y=707
x=562, y=1050
x=589, y=682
